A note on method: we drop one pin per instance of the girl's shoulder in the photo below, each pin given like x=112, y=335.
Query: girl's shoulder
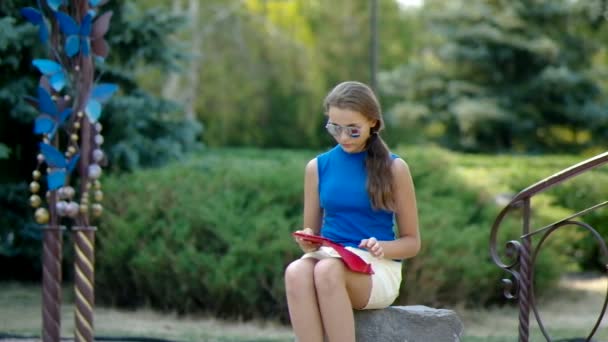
x=399, y=166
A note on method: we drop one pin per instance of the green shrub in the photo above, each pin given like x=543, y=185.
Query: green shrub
x=213, y=234
x=20, y=237
x=574, y=195
x=457, y=209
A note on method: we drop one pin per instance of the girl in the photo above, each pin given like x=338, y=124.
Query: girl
x=353, y=194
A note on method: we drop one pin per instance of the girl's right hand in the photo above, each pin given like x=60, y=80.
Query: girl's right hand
x=307, y=246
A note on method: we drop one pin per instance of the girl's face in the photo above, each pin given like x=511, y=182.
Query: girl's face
x=351, y=129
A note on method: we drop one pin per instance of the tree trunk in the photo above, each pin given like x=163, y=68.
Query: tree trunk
x=171, y=88
x=195, y=65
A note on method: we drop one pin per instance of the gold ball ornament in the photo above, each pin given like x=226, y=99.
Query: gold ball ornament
x=97, y=209
x=98, y=195
x=34, y=187
x=84, y=208
x=97, y=185
x=36, y=174
x=74, y=137
x=42, y=216
x=76, y=124
x=72, y=149
x=35, y=201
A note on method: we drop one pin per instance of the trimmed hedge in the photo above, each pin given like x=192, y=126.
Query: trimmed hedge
x=575, y=194
x=213, y=234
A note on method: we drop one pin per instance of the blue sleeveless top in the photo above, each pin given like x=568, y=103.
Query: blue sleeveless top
x=348, y=216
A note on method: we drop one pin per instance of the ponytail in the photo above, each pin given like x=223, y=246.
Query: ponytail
x=379, y=174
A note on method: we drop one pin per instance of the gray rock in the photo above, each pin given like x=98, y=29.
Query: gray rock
x=416, y=323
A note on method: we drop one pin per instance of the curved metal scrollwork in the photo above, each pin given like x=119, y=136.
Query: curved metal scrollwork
x=521, y=269
x=604, y=251
x=511, y=289
x=513, y=250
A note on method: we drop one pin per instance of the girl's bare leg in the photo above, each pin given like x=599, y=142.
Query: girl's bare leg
x=338, y=292
x=302, y=300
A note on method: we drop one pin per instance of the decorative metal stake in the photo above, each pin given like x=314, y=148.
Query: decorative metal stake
x=84, y=277
x=526, y=275
x=69, y=103
x=84, y=236
x=51, y=279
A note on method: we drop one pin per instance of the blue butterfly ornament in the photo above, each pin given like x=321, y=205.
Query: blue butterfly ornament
x=35, y=17
x=77, y=37
x=53, y=71
x=50, y=117
x=54, y=4
x=100, y=93
x=59, y=165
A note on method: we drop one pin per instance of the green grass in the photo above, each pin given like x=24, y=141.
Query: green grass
x=567, y=313
x=20, y=314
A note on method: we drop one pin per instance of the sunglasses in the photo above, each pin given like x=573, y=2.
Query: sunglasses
x=337, y=130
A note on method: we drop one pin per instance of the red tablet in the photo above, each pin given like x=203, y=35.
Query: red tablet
x=351, y=260
x=311, y=238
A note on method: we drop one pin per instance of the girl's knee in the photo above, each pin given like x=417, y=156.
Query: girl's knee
x=299, y=273
x=328, y=275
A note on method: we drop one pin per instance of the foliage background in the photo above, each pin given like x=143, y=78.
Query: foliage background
x=220, y=108
x=213, y=234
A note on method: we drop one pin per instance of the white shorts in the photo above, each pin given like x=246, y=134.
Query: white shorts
x=386, y=279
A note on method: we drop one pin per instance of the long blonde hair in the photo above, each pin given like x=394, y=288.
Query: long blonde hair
x=358, y=97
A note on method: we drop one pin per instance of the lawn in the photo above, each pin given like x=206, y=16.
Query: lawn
x=20, y=314
x=569, y=312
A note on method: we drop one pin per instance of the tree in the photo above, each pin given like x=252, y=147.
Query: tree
x=140, y=128
x=258, y=82
x=503, y=75
x=260, y=68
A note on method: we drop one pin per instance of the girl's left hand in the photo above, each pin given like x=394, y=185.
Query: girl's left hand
x=373, y=246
